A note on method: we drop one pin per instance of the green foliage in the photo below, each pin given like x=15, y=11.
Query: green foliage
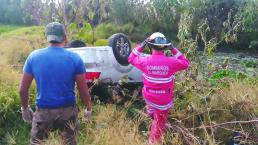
x=124, y=11
x=231, y=23
x=106, y=30
x=28, y=31
x=165, y=12
x=102, y=31
x=230, y=30
x=9, y=98
x=218, y=78
x=253, y=45
x=11, y=12
x=250, y=63
x=223, y=73
x=247, y=16
x=209, y=43
x=224, y=20
x=186, y=41
x=13, y=130
x=101, y=42
x=81, y=32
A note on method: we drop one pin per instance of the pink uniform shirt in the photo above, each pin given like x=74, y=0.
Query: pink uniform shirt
x=158, y=75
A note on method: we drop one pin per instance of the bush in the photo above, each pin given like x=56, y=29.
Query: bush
x=250, y=63
x=101, y=32
x=217, y=76
x=101, y=42
x=253, y=46
x=104, y=30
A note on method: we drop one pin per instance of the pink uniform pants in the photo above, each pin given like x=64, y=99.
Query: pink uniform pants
x=158, y=123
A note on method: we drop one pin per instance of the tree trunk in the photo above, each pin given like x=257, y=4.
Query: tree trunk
x=64, y=12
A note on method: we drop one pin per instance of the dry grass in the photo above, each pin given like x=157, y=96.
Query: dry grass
x=108, y=126
x=112, y=127
x=9, y=75
x=14, y=49
x=16, y=45
x=240, y=98
x=237, y=108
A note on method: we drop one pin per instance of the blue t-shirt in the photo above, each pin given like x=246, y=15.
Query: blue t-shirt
x=54, y=70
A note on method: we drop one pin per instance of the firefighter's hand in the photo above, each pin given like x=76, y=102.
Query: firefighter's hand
x=143, y=44
x=171, y=46
x=86, y=115
x=27, y=114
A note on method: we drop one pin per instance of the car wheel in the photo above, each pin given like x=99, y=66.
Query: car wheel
x=121, y=47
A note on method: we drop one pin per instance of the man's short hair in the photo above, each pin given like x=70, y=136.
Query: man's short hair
x=55, y=32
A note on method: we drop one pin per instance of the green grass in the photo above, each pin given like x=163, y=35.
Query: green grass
x=26, y=33
x=8, y=28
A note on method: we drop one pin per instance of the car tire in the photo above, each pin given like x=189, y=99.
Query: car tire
x=121, y=47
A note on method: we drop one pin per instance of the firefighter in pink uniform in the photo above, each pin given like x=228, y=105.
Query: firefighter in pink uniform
x=158, y=79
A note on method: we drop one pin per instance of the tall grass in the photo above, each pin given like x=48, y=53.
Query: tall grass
x=231, y=104
x=198, y=107
x=16, y=45
x=108, y=126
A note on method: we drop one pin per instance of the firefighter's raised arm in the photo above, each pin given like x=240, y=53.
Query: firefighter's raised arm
x=181, y=62
x=136, y=58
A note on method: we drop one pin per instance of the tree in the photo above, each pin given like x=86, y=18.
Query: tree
x=11, y=12
x=33, y=12
x=126, y=11
x=3, y=4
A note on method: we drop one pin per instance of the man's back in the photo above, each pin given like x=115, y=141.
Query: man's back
x=54, y=70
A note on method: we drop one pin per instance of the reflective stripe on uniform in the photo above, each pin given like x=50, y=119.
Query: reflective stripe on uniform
x=158, y=80
x=150, y=110
x=178, y=54
x=160, y=107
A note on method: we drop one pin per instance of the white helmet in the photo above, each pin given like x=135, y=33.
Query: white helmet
x=158, y=41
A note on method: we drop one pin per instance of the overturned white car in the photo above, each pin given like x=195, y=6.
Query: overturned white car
x=109, y=65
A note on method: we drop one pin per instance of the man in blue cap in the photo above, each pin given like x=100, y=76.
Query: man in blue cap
x=55, y=71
